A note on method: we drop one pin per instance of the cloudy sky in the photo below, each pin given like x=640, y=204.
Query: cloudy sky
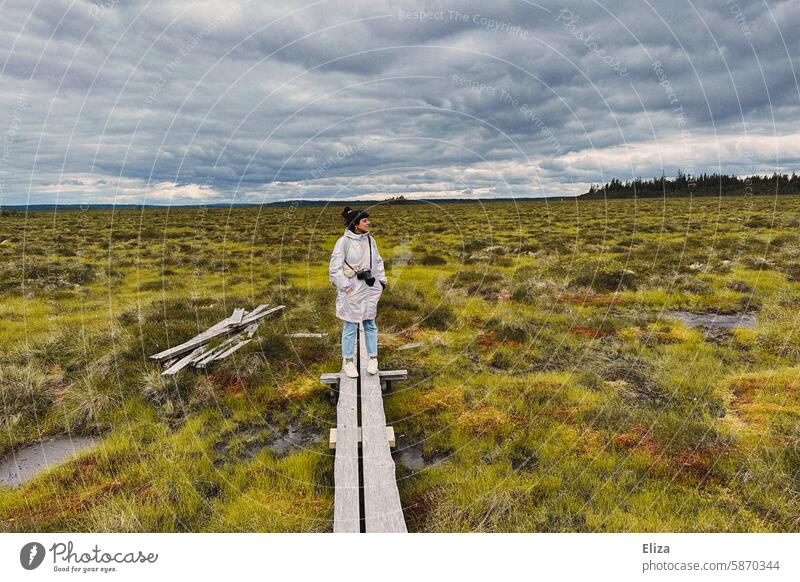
x=206, y=101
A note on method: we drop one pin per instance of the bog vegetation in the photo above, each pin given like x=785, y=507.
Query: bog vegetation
x=555, y=388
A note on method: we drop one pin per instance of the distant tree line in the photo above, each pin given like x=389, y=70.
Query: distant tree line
x=397, y=200
x=700, y=185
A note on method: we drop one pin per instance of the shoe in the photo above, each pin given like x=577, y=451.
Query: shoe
x=372, y=366
x=350, y=369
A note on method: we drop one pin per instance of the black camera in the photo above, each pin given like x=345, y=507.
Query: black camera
x=366, y=276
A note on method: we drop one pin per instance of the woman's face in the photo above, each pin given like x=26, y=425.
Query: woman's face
x=363, y=225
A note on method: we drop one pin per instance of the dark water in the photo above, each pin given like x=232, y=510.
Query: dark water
x=27, y=461
x=293, y=439
x=412, y=458
x=255, y=438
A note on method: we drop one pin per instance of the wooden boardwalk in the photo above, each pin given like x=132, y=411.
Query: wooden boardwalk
x=366, y=497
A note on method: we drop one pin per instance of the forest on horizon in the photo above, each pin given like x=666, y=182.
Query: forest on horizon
x=701, y=185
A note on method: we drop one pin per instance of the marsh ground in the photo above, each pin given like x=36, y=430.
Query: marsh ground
x=554, y=388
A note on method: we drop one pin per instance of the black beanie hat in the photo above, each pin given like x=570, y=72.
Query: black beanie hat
x=353, y=217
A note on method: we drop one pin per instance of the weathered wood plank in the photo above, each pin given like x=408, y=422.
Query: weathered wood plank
x=216, y=330
x=232, y=349
x=225, y=322
x=255, y=315
x=209, y=356
x=410, y=346
x=391, y=375
x=383, y=512
x=236, y=316
x=221, y=328
x=346, y=513
x=258, y=309
x=389, y=437
x=333, y=377
x=250, y=330
x=330, y=378
x=184, y=361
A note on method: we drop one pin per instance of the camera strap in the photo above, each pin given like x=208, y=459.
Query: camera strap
x=347, y=249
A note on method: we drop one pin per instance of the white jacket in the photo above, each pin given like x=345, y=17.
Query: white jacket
x=362, y=302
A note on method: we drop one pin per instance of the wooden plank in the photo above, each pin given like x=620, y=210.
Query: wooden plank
x=218, y=329
x=389, y=437
x=227, y=321
x=183, y=362
x=258, y=309
x=236, y=317
x=389, y=376
x=253, y=316
x=383, y=512
x=346, y=512
x=330, y=378
x=332, y=438
x=393, y=374
x=221, y=328
x=199, y=355
x=209, y=356
x=215, y=354
x=410, y=346
x=232, y=349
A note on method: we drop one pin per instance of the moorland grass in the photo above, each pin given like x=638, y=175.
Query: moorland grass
x=552, y=391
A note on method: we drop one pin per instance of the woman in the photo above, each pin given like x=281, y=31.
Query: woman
x=356, y=269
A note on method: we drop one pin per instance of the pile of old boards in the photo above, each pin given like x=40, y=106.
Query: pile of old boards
x=241, y=325
x=366, y=498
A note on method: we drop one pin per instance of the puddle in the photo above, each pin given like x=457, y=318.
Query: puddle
x=714, y=320
x=412, y=458
x=26, y=462
x=250, y=440
x=292, y=439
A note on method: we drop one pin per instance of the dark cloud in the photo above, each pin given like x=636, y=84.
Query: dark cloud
x=181, y=101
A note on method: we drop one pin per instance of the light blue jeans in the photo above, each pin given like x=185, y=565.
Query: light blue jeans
x=349, y=331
